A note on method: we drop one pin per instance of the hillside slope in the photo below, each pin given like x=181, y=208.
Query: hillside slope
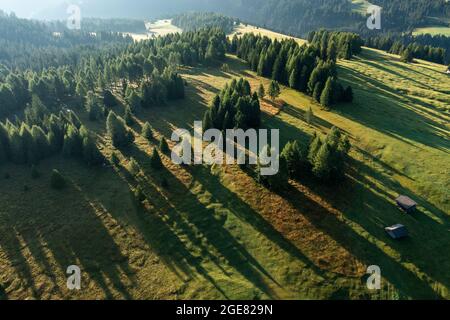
x=215, y=233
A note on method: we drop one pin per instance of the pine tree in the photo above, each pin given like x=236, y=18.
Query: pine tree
x=108, y=98
x=40, y=143
x=133, y=167
x=309, y=116
x=317, y=91
x=17, y=149
x=274, y=90
x=163, y=146
x=73, y=143
x=322, y=164
x=314, y=147
x=128, y=116
x=261, y=91
x=91, y=155
x=147, y=131
x=155, y=160
x=117, y=131
x=407, y=56
x=134, y=101
x=326, y=97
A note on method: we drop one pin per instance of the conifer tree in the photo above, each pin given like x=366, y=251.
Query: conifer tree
x=117, y=131
x=261, y=91
x=155, y=160
x=309, y=116
x=317, y=91
x=274, y=90
x=163, y=146
x=326, y=97
x=147, y=131
x=128, y=116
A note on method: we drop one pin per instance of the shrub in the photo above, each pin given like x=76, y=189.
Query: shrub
x=57, y=181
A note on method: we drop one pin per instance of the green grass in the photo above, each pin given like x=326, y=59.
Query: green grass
x=215, y=233
x=433, y=30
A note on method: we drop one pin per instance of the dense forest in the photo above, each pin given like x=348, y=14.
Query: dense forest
x=102, y=25
x=405, y=15
x=310, y=69
x=197, y=20
x=431, y=48
x=39, y=103
x=26, y=44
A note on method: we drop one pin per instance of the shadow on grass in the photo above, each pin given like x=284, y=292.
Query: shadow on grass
x=80, y=240
x=404, y=122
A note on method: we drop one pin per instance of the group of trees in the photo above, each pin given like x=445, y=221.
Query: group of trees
x=28, y=44
x=335, y=44
x=409, y=48
x=191, y=21
x=310, y=69
x=25, y=142
x=234, y=107
x=150, y=65
x=324, y=157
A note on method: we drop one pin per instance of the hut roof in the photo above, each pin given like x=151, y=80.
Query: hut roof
x=406, y=202
x=397, y=231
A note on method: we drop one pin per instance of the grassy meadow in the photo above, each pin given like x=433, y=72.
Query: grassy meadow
x=433, y=30
x=214, y=233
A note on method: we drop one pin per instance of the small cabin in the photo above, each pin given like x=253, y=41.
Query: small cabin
x=406, y=204
x=397, y=231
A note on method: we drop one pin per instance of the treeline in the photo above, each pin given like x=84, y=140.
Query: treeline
x=198, y=20
x=119, y=25
x=406, y=15
x=409, y=46
x=27, y=44
x=149, y=65
x=30, y=141
x=234, y=107
x=309, y=69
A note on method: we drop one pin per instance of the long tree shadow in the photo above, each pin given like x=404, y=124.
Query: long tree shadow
x=404, y=280
x=404, y=123
x=242, y=210
x=80, y=240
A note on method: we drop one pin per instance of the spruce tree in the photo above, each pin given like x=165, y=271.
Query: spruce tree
x=91, y=154
x=155, y=160
x=309, y=116
x=128, y=116
x=326, y=97
x=147, y=131
x=261, y=91
x=163, y=146
x=322, y=165
x=274, y=90
x=317, y=91
x=117, y=131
